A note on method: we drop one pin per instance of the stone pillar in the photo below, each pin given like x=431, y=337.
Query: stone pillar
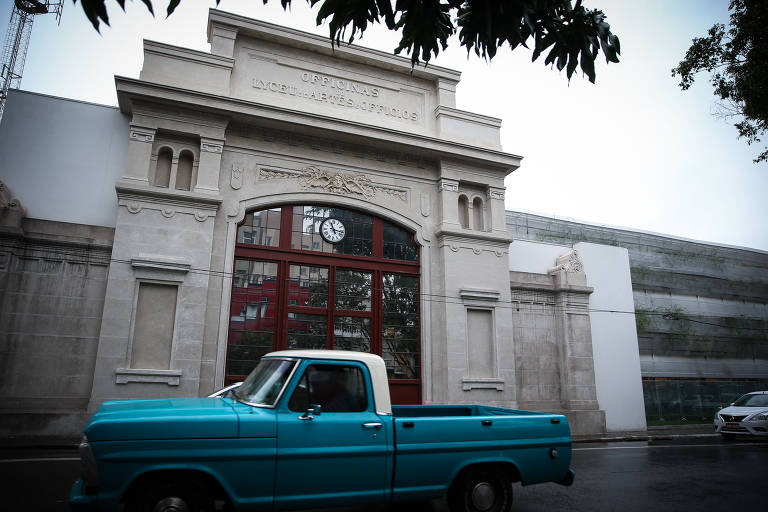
x=578, y=393
x=139, y=154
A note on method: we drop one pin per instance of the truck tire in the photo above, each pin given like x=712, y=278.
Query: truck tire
x=483, y=489
x=171, y=495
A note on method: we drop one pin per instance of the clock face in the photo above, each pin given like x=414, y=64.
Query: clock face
x=333, y=230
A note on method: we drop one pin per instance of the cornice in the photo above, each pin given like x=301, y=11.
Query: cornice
x=449, y=234
x=129, y=90
x=129, y=191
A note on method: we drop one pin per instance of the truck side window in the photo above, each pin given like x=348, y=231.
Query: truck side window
x=336, y=388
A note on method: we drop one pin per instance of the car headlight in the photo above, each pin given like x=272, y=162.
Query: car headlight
x=718, y=417
x=88, y=468
x=761, y=416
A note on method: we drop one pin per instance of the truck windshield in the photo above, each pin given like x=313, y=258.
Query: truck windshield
x=263, y=385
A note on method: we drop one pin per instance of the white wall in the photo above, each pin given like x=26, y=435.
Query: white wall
x=61, y=158
x=614, y=336
x=534, y=257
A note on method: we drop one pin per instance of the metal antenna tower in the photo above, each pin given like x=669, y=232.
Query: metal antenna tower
x=17, y=40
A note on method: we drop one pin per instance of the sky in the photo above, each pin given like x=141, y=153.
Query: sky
x=631, y=151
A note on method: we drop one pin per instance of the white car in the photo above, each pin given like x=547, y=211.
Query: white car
x=747, y=415
x=225, y=392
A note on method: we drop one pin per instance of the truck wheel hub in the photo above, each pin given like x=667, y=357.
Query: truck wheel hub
x=171, y=504
x=483, y=496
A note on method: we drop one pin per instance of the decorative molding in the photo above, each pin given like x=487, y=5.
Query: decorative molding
x=236, y=178
x=334, y=182
x=168, y=212
x=468, y=384
x=211, y=145
x=400, y=194
x=133, y=207
x=448, y=185
x=201, y=216
x=425, y=204
x=126, y=375
x=7, y=202
x=495, y=193
x=569, y=262
x=234, y=211
x=456, y=246
x=479, y=294
x=154, y=262
x=142, y=134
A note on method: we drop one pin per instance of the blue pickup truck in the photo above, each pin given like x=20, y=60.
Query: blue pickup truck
x=313, y=429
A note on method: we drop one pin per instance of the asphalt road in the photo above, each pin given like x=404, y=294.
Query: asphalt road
x=696, y=475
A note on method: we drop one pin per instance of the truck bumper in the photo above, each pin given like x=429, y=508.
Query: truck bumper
x=568, y=479
x=79, y=501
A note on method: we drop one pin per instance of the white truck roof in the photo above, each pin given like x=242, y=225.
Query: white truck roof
x=374, y=363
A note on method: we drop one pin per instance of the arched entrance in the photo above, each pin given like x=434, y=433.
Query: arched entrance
x=314, y=276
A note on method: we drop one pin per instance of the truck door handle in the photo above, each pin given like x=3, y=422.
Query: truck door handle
x=486, y=423
x=372, y=425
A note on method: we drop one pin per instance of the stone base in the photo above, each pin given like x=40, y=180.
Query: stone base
x=586, y=422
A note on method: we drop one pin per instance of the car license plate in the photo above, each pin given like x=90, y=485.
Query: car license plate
x=732, y=425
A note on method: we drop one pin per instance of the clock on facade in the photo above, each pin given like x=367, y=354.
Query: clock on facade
x=333, y=230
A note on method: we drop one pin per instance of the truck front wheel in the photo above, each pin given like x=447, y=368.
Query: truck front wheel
x=481, y=490
x=171, y=495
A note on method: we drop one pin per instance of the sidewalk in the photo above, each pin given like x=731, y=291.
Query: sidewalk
x=664, y=433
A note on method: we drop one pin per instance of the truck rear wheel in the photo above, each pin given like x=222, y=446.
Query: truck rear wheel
x=173, y=495
x=481, y=490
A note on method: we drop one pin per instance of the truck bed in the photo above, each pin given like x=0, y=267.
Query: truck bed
x=433, y=441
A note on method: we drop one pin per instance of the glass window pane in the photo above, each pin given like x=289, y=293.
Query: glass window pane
x=400, y=325
x=335, y=388
x=353, y=290
x=253, y=314
x=261, y=228
x=352, y=333
x=306, y=221
x=307, y=331
x=308, y=286
x=399, y=244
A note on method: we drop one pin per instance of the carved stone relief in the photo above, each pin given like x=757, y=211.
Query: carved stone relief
x=570, y=263
x=334, y=182
x=236, y=180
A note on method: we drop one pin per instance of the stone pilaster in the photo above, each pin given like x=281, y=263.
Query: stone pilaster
x=139, y=154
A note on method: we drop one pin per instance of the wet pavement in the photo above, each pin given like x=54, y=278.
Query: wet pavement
x=695, y=472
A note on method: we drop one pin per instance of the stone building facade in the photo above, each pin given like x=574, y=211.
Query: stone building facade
x=168, y=243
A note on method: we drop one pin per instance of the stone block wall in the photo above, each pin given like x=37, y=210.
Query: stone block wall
x=53, y=277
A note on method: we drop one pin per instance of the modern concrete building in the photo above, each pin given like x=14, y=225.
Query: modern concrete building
x=274, y=194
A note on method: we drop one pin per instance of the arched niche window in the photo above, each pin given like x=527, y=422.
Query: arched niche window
x=184, y=172
x=477, y=214
x=163, y=168
x=463, y=211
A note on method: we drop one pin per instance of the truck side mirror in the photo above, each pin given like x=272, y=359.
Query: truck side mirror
x=314, y=410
